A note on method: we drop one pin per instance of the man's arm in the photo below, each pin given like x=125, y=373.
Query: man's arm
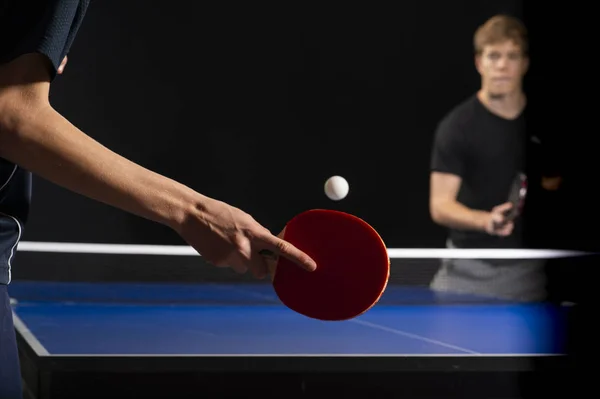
x=550, y=161
x=36, y=137
x=448, y=164
x=446, y=210
x=551, y=183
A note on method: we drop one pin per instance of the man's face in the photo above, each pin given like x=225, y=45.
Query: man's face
x=502, y=67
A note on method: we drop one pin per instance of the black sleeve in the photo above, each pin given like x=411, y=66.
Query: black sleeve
x=448, y=154
x=47, y=27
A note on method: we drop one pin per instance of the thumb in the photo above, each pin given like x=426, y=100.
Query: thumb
x=503, y=207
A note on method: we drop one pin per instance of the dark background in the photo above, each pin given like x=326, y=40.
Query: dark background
x=259, y=106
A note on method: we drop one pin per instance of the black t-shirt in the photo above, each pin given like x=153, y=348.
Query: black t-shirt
x=487, y=152
x=47, y=27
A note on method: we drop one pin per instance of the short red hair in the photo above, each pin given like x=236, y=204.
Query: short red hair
x=501, y=28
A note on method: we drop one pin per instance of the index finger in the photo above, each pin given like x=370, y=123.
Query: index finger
x=277, y=246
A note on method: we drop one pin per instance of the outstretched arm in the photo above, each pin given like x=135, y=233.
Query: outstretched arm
x=446, y=210
x=36, y=137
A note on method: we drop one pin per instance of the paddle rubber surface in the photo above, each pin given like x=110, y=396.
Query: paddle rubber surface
x=353, y=266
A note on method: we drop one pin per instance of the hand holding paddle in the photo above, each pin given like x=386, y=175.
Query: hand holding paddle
x=502, y=217
x=228, y=237
x=499, y=224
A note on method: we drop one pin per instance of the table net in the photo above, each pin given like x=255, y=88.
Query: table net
x=134, y=272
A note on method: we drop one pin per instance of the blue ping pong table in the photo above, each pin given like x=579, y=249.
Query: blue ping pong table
x=83, y=334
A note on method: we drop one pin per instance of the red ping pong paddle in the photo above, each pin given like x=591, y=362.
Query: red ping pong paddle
x=353, y=266
x=517, y=196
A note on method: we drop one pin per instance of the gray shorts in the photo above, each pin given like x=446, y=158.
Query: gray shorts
x=521, y=280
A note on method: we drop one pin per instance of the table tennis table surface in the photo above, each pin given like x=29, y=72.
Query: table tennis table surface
x=247, y=319
x=101, y=326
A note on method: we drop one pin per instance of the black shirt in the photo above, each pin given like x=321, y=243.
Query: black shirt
x=487, y=152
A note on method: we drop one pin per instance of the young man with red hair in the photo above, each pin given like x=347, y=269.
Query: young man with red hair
x=480, y=147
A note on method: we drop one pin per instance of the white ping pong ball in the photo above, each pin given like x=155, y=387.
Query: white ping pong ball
x=336, y=188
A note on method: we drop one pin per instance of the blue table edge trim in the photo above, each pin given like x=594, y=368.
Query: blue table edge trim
x=28, y=336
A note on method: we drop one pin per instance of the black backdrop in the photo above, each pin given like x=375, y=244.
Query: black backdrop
x=258, y=106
